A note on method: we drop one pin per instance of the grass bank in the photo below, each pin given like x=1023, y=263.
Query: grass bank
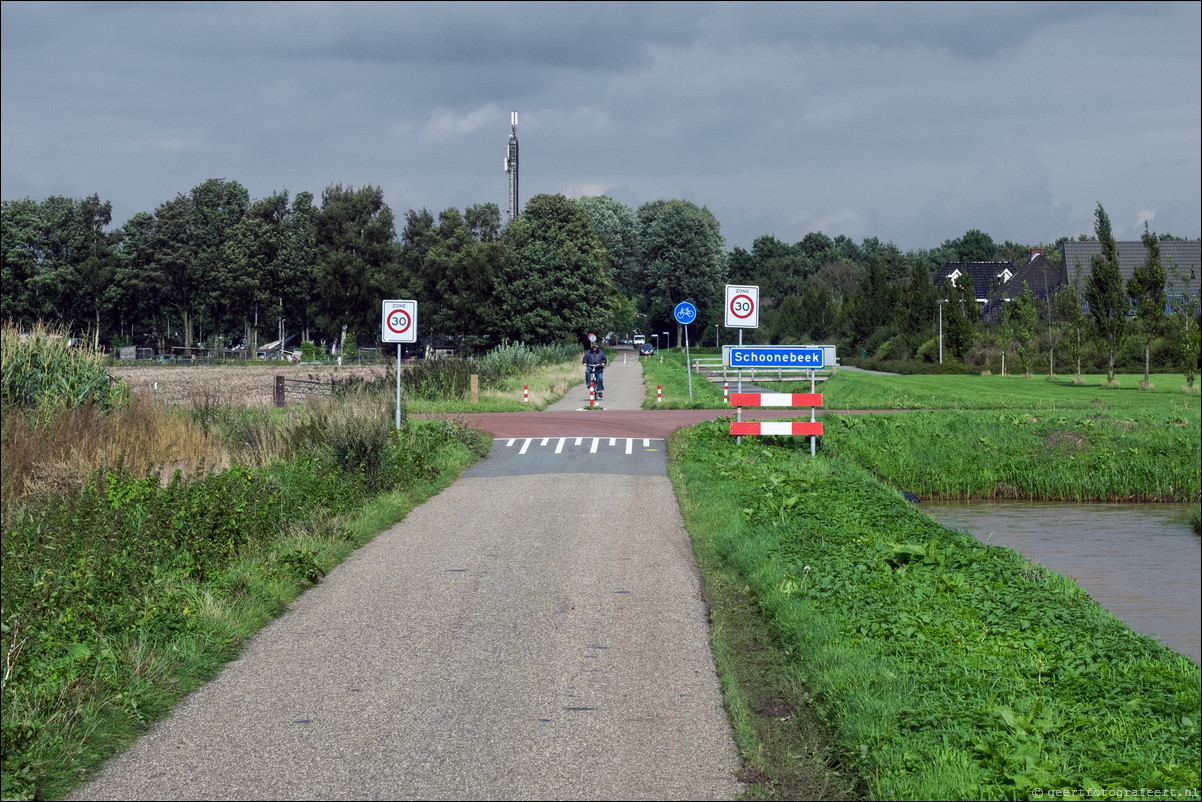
x=666, y=370
x=1068, y=455
x=941, y=668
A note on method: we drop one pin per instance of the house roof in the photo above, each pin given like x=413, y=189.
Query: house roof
x=986, y=276
x=1039, y=275
x=1186, y=255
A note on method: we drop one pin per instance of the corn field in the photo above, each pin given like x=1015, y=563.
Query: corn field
x=43, y=371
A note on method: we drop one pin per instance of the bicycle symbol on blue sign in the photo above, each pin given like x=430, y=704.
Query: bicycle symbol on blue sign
x=685, y=313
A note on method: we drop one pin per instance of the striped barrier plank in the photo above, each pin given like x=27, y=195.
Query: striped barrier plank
x=776, y=399
x=811, y=428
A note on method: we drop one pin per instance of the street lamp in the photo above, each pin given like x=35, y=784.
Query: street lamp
x=941, y=302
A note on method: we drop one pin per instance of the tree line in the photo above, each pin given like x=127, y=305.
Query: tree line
x=213, y=266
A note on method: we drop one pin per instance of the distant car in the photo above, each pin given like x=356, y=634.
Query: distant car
x=647, y=349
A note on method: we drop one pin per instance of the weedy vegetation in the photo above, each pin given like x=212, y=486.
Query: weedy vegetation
x=142, y=545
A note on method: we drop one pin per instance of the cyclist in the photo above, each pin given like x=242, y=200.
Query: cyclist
x=595, y=361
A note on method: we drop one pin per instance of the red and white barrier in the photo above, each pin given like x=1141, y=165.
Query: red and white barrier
x=659, y=394
x=776, y=399
x=525, y=393
x=592, y=395
x=811, y=428
x=726, y=393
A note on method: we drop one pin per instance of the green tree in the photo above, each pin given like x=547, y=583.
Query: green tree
x=22, y=247
x=1019, y=324
x=1185, y=329
x=95, y=261
x=354, y=262
x=291, y=280
x=681, y=250
x=616, y=223
x=459, y=272
x=1146, y=288
x=871, y=305
x=554, y=282
x=217, y=207
x=253, y=249
x=1068, y=305
x=137, y=283
x=174, y=246
x=788, y=323
x=917, y=309
x=1104, y=292
x=960, y=315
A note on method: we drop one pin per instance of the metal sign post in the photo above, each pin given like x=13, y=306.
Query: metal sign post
x=400, y=326
x=742, y=312
x=685, y=313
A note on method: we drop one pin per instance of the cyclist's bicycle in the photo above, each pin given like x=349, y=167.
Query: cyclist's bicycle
x=592, y=376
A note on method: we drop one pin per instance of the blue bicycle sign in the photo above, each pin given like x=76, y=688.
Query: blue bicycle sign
x=685, y=313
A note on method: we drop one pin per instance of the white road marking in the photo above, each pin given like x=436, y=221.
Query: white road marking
x=593, y=446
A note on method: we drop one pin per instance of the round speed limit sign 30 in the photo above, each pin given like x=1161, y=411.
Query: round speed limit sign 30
x=742, y=307
x=400, y=322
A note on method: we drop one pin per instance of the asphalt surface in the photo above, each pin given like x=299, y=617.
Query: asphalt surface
x=536, y=631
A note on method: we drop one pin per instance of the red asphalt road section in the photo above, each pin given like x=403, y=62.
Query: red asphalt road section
x=608, y=423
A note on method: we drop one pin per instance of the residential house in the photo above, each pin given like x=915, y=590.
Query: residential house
x=987, y=277
x=1185, y=255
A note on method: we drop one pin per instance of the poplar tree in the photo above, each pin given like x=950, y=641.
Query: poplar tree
x=1104, y=291
x=1146, y=289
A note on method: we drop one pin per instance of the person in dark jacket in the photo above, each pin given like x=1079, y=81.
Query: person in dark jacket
x=595, y=358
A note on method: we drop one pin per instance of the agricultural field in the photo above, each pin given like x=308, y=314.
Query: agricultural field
x=248, y=386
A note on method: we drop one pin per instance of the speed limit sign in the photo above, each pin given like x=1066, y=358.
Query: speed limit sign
x=400, y=322
x=742, y=307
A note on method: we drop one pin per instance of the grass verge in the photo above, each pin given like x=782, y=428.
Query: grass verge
x=666, y=370
x=940, y=667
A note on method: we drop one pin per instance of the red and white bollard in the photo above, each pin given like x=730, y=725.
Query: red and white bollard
x=659, y=394
x=592, y=395
x=525, y=393
x=726, y=393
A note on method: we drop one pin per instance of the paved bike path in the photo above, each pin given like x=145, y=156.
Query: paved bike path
x=518, y=636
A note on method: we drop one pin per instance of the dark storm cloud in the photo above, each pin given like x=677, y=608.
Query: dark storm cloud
x=907, y=121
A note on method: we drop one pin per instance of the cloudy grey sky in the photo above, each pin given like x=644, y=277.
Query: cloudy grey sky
x=911, y=122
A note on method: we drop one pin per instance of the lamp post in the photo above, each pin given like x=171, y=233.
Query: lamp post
x=941, y=302
x=656, y=338
x=667, y=340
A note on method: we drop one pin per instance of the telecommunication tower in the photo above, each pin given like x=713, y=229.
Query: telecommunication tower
x=511, y=166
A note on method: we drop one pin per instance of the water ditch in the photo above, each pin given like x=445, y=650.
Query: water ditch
x=1142, y=562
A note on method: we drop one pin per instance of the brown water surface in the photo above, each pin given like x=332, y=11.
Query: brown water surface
x=1141, y=562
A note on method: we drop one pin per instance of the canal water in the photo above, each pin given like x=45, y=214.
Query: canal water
x=1141, y=562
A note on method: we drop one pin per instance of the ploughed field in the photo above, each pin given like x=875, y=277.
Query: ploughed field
x=229, y=385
